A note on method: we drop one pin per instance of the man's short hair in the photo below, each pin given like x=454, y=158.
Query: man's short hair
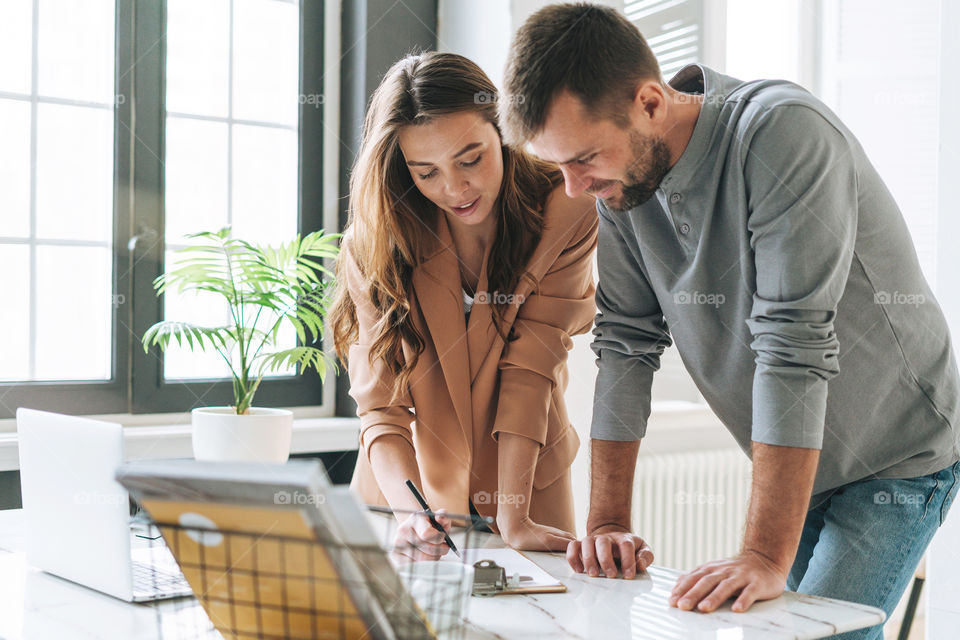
x=590, y=50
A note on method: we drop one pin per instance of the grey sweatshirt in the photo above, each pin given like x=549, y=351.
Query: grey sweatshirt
x=778, y=262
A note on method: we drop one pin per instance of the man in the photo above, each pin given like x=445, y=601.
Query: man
x=744, y=221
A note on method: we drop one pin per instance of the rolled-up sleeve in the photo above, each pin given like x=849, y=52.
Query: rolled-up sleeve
x=561, y=305
x=801, y=182
x=629, y=336
x=371, y=385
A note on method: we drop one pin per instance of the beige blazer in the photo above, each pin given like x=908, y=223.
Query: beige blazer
x=468, y=385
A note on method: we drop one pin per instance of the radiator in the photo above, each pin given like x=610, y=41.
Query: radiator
x=690, y=507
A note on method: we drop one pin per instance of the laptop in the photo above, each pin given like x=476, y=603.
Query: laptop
x=78, y=515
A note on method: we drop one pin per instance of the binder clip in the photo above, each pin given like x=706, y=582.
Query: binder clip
x=489, y=579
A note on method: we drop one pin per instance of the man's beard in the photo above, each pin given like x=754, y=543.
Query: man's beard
x=651, y=162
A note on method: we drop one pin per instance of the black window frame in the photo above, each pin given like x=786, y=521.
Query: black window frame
x=374, y=34
x=137, y=384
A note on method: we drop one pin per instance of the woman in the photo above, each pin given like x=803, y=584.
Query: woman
x=464, y=271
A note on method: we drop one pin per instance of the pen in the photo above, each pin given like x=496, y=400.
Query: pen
x=433, y=521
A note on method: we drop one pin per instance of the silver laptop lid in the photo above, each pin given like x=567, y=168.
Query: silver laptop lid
x=77, y=514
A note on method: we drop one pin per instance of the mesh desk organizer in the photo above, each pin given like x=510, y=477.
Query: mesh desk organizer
x=278, y=552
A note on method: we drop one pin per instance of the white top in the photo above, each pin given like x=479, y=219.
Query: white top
x=38, y=606
x=467, y=301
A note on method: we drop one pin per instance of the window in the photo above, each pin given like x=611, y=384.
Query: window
x=672, y=28
x=126, y=125
x=56, y=188
x=231, y=140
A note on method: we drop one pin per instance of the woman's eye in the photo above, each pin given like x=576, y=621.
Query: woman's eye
x=587, y=159
x=432, y=173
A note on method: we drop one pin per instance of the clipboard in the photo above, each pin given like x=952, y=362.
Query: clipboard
x=508, y=571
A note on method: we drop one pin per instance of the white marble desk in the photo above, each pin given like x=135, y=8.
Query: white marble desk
x=38, y=606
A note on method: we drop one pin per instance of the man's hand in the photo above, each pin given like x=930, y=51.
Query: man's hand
x=609, y=541
x=782, y=484
x=607, y=549
x=750, y=575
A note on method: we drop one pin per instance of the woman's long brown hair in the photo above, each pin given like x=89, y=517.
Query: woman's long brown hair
x=390, y=222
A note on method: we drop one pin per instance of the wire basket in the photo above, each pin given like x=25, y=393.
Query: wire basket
x=271, y=587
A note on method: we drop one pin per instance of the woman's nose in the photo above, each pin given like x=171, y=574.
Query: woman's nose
x=455, y=188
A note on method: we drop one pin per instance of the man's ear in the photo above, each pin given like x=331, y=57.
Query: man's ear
x=649, y=104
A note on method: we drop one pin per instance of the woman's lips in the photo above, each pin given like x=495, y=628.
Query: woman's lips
x=467, y=210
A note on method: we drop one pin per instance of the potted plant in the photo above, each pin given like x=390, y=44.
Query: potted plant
x=264, y=288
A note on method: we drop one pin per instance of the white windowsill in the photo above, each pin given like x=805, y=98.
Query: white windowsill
x=673, y=426
x=9, y=425
x=310, y=435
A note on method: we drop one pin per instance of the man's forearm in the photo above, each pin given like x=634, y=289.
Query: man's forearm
x=612, y=466
x=782, y=483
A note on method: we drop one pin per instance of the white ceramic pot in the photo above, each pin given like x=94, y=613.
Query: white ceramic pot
x=263, y=435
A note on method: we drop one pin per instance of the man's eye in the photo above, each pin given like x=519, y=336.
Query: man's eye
x=586, y=159
x=429, y=175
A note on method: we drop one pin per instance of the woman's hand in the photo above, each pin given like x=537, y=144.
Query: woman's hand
x=517, y=460
x=417, y=540
x=526, y=534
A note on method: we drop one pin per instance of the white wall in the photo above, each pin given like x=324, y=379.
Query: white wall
x=943, y=557
x=480, y=31
x=770, y=27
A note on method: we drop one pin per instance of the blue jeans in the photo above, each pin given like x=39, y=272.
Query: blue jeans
x=863, y=544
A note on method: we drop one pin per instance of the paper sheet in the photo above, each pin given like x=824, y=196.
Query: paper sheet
x=513, y=562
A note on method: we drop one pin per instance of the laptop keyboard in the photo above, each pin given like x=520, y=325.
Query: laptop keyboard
x=150, y=582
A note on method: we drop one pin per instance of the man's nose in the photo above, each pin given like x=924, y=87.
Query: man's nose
x=573, y=184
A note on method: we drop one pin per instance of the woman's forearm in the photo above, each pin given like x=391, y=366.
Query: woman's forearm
x=393, y=461
x=516, y=460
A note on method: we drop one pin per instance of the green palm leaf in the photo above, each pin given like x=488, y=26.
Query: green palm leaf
x=304, y=357
x=261, y=285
